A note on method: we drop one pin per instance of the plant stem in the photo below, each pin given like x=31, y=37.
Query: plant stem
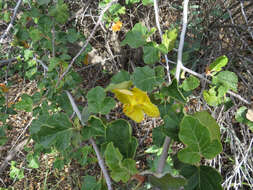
x=181, y=42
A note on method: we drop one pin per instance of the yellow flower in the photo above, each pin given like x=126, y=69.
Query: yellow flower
x=116, y=26
x=136, y=103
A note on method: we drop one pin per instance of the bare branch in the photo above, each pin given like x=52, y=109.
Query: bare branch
x=87, y=41
x=164, y=155
x=91, y=140
x=181, y=42
x=12, y=21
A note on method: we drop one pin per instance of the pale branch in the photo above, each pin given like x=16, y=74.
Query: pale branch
x=181, y=42
x=164, y=155
x=94, y=145
x=11, y=22
x=161, y=36
x=87, y=41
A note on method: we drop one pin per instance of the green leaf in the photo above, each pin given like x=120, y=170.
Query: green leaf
x=16, y=172
x=33, y=160
x=25, y=104
x=90, y=183
x=98, y=102
x=146, y=79
x=166, y=181
x=198, y=140
x=158, y=136
x=151, y=53
x=171, y=123
x=120, y=133
x=60, y=12
x=190, y=83
x=147, y=2
x=240, y=116
x=28, y=54
x=173, y=92
x=31, y=72
x=121, y=170
x=130, y=166
x=72, y=35
x=201, y=177
x=43, y=2
x=217, y=65
x=169, y=39
x=136, y=37
x=120, y=77
x=53, y=62
x=95, y=128
x=112, y=156
x=211, y=97
x=208, y=121
x=35, y=35
x=227, y=79
x=50, y=130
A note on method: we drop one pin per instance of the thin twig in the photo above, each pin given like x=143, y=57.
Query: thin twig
x=181, y=42
x=87, y=41
x=161, y=36
x=11, y=23
x=91, y=140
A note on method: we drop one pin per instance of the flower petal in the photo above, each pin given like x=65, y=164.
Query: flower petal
x=123, y=95
x=134, y=112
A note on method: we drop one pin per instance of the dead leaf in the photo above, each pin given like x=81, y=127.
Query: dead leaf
x=249, y=114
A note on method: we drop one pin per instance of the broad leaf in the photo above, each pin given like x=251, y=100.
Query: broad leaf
x=217, y=65
x=94, y=128
x=199, y=177
x=190, y=83
x=146, y=79
x=151, y=53
x=121, y=170
x=120, y=77
x=227, y=79
x=52, y=130
x=98, y=102
x=198, y=140
x=173, y=92
x=120, y=133
x=90, y=183
x=25, y=104
x=136, y=37
x=208, y=121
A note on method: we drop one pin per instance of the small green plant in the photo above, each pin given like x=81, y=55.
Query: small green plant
x=16, y=173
